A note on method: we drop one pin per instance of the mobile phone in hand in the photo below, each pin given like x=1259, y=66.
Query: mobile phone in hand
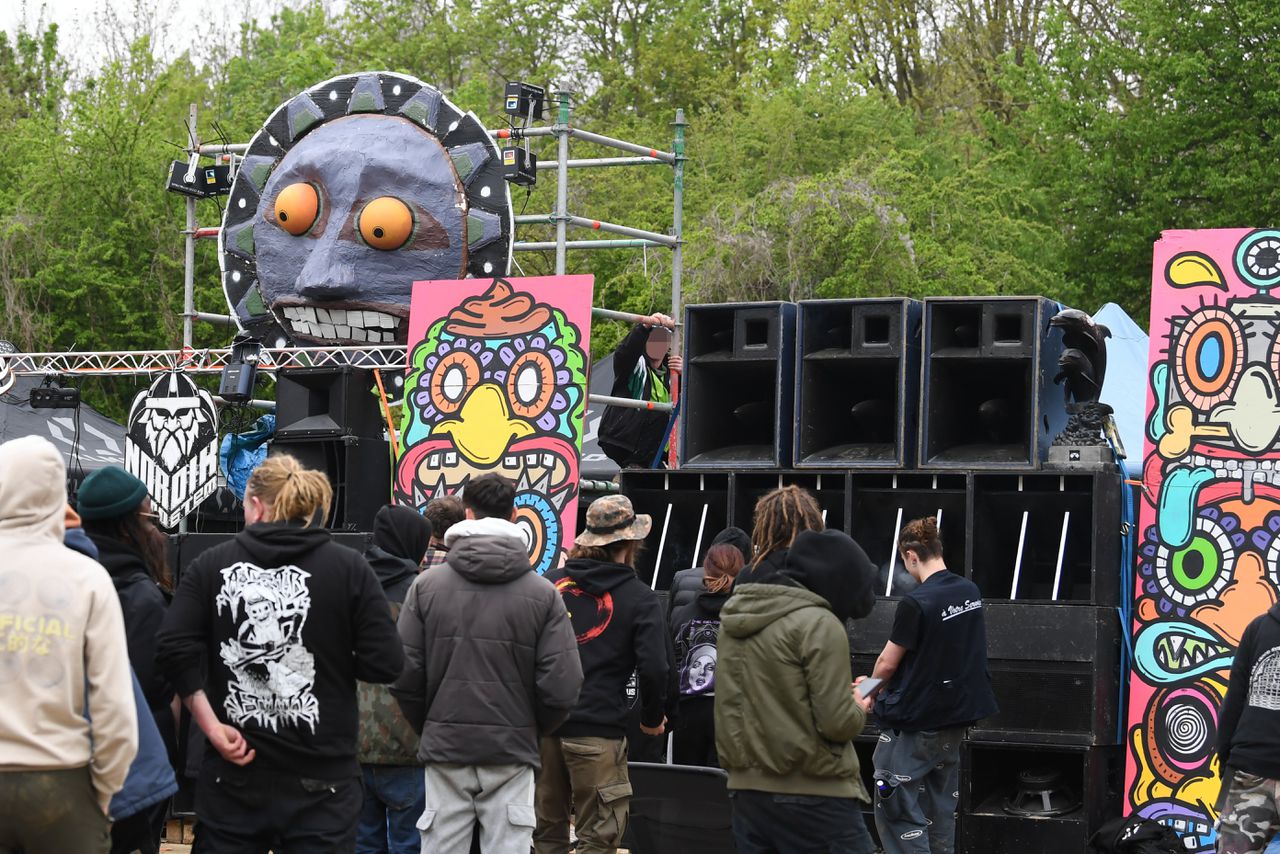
x=867, y=686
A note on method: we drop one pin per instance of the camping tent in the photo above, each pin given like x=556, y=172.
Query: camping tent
x=1125, y=387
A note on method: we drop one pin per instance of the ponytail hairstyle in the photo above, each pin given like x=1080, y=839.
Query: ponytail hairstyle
x=921, y=536
x=290, y=491
x=721, y=566
x=781, y=515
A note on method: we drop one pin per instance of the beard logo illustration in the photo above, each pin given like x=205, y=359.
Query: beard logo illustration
x=172, y=445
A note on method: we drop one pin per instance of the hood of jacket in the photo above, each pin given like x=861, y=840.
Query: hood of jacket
x=765, y=570
x=754, y=607
x=402, y=532
x=389, y=568
x=488, y=551
x=737, y=538
x=123, y=564
x=832, y=565
x=33, y=492
x=280, y=543
x=597, y=577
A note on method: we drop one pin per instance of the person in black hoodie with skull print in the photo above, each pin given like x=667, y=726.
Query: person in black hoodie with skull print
x=264, y=641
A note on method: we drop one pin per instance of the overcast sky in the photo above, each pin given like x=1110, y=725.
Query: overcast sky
x=85, y=34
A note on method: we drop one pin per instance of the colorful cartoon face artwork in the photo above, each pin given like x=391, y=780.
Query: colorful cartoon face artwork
x=351, y=191
x=1209, y=537
x=497, y=383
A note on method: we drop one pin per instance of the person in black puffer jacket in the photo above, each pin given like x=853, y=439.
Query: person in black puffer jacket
x=687, y=583
x=388, y=747
x=116, y=514
x=695, y=628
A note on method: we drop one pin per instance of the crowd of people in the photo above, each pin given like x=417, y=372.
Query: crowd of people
x=435, y=694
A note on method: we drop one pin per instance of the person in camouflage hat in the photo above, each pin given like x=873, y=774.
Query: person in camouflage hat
x=621, y=629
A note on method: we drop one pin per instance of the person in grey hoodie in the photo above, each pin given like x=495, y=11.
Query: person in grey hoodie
x=63, y=653
x=491, y=663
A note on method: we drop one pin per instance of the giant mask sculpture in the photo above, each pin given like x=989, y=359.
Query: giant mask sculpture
x=348, y=194
x=497, y=383
x=1209, y=547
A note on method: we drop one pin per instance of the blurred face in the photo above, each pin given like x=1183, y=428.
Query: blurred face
x=658, y=344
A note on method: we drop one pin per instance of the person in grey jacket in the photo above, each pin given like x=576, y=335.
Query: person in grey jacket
x=491, y=663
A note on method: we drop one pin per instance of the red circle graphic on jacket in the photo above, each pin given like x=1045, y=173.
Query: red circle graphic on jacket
x=587, y=626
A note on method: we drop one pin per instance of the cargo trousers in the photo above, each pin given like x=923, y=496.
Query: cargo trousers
x=917, y=777
x=587, y=776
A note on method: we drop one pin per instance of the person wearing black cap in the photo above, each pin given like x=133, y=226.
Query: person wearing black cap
x=388, y=747
x=116, y=514
x=785, y=715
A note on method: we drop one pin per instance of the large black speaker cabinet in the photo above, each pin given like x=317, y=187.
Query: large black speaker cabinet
x=987, y=396
x=1055, y=670
x=326, y=403
x=359, y=470
x=882, y=503
x=829, y=489
x=688, y=510
x=1047, y=537
x=1041, y=799
x=739, y=376
x=857, y=383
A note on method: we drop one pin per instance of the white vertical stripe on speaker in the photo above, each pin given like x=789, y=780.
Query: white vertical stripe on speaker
x=893, y=553
x=697, y=546
x=824, y=518
x=938, y=517
x=1062, y=548
x=662, y=542
x=1017, y=561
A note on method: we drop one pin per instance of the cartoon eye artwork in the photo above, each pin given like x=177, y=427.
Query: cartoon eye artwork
x=1257, y=259
x=531, y=384
x=385, y=223
x=455, y=374
x=540, y=521
x=1208, y=357
x=1202, y=569
x=297, y=208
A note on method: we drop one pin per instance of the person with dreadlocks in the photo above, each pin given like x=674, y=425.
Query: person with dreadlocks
x=785, y=714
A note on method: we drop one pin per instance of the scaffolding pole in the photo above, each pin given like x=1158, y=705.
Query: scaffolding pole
x=189, y=242
x=561, y=130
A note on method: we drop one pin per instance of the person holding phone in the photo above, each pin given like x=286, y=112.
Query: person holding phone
x=935, y=685
x=785, y=717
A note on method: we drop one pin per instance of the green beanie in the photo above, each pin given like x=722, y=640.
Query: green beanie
x=109, y=492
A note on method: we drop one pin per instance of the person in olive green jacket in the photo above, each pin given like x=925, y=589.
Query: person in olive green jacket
x=784, y=709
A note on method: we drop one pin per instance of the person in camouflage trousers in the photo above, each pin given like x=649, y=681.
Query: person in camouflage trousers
x=1249, y=741
x=394, y=790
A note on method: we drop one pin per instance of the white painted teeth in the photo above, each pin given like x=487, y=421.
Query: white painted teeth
x=373, y=327
x=510, y=462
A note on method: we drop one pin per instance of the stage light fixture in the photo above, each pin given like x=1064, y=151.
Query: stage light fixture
x=519, y=166
x=241, y=371
x=525, y=101
x=51, y=395
x=205, y=181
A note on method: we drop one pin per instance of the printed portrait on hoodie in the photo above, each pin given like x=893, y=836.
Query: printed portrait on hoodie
x=497, y=383
x=1208, y=546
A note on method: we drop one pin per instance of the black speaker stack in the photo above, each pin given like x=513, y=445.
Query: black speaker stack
x=942, y=408
x=329, y=419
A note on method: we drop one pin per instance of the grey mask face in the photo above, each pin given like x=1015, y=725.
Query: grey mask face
x=384, y=208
